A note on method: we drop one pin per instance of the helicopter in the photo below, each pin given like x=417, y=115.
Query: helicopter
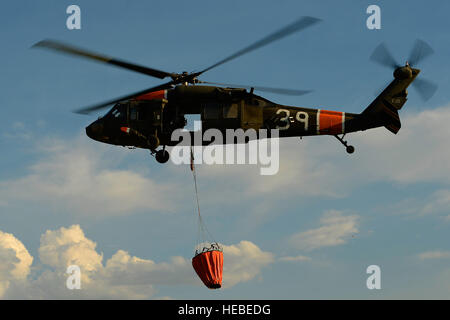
x=147, y=118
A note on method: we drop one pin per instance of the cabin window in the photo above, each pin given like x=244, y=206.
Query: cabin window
x=133, y=114
x=230, y=111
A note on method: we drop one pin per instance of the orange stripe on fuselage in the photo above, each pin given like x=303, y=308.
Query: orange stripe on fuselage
x=331, y=122
x=158, y=95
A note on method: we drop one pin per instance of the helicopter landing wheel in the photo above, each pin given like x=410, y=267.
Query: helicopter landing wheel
x=349, y=149
x=162, y=156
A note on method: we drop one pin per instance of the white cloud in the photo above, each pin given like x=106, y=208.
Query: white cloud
x=303, y=171
x=436, y=254
x=418, y=153
x=243, y=261
x=75, y=177
x=122, y=276
x=334, y=230
x=15, y=261
x=68, y=246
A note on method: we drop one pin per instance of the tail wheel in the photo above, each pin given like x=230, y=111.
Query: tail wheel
x=348, y=148
x=162, y=156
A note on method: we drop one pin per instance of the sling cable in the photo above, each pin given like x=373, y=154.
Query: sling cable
x=208, y=258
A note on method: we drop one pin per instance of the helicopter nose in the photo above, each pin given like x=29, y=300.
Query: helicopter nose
x=94, y=130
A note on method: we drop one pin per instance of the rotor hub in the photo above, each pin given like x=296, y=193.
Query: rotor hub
x=403, y=72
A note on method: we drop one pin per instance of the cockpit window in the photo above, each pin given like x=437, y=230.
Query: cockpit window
x=118, y=112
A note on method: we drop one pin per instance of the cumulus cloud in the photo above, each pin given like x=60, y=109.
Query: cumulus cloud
x=15, y=261
x=121, y=276
x=69, y=246
x=73, y=176
x=243, y=262
x=334, y=230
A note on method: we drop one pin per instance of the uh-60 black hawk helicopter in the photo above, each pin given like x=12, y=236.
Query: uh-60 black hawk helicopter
x=146, y=119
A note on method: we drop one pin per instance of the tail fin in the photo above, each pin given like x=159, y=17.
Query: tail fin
x=383, y=111
x=394, y=124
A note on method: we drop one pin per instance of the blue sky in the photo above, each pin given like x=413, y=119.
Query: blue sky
x=308, y=232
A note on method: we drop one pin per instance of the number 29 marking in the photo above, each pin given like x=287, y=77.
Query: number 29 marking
x=300, y=116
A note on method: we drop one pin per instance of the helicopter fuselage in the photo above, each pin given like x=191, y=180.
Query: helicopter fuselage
x=159, y=113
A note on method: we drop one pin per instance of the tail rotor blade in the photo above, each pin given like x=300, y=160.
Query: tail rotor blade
x=381, y=55
x=419, y=52
x=425, y=88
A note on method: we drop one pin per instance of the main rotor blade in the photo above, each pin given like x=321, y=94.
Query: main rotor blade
x=296, y=26
x=72, y=50
x=290, y=92
x=381, y=55
x=127, y=97
x=426, y=88
x=419, y=52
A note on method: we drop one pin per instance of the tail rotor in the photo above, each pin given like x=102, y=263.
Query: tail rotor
x=420, y=51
